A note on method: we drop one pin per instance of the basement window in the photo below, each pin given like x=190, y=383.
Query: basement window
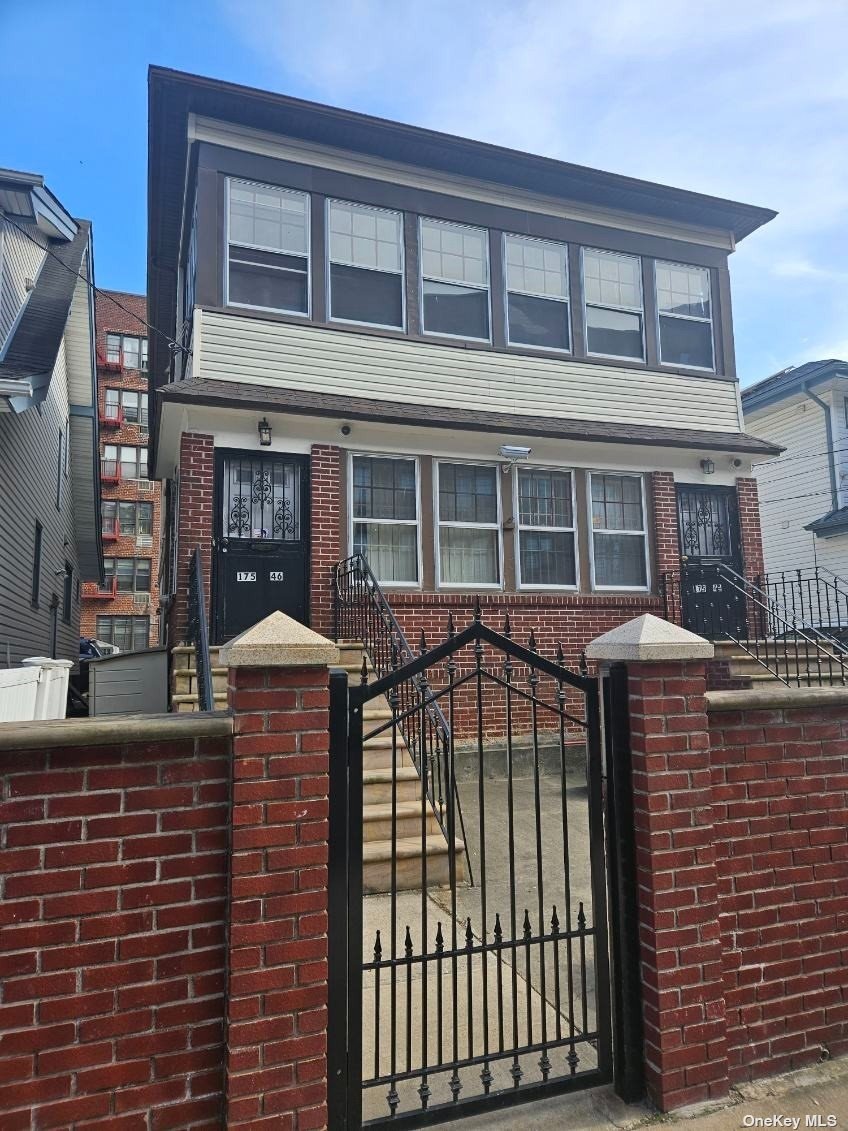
x=267, y=248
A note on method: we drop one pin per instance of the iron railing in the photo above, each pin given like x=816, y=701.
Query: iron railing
x=198, y=633
x=815, y=596
x=773, y=634
x=362, y=613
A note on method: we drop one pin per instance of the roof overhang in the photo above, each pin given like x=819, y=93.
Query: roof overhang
x=830, y=524
x=26, y=195
x=792, y=383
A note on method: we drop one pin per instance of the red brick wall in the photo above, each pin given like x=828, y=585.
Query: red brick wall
x=780, y=816
x=112, y=934
x=664, y=507
x=749, y=521
x=277, y=1019
x=195, y=525
x=326, y=540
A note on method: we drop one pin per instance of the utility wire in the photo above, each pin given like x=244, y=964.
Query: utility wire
x=173, y=345
x=792, y=498
x=805, y=455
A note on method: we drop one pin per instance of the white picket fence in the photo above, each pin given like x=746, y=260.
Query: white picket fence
x=37, y=690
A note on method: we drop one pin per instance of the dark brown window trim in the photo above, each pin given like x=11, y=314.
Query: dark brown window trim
x=459, y=343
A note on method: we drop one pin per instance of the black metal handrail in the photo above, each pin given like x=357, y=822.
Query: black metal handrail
x=198, y=633
x=794, y=651
x=362, y=613
x=816, y=595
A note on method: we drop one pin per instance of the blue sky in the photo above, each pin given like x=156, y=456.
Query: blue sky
x=740, y=98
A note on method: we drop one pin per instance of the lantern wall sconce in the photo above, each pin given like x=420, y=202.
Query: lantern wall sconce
x=707, y=466
x=264, y=433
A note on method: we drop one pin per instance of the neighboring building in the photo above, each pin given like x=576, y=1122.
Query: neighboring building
x=380, y=317
x=125, y=610
x=49, y=471
x=804, y=492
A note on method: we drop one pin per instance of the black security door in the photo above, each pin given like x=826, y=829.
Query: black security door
x=710, y=556
x=261, y=540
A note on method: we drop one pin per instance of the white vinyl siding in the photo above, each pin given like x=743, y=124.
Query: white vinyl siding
x=292, y=356
x=20, y=259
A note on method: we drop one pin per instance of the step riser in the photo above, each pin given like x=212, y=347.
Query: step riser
x=380, y=793
x=381, y=759
x=406, y=827
x=377, y=876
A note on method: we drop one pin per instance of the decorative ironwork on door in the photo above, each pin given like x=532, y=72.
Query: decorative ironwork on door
x=708, y=523
x=261, y=499
x=463, y=996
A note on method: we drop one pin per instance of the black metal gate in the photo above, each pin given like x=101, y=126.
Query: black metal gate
x=468, y=937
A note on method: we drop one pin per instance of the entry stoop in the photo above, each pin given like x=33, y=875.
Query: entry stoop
x=184, y=695
x=410, y=807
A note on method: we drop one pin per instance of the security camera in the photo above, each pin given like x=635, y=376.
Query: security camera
x=736, y=462
x=345, y=429
x=514, y=452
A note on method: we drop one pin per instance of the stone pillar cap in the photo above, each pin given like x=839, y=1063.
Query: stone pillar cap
x=649, y=638
x=278, y=641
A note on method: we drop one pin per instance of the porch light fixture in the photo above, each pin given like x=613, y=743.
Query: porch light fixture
x=512, y=453
x=264, y=433
x=707, y=466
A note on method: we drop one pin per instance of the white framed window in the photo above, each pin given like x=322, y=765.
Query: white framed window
x=684, y=313
x=133, y=574
x=127, y=350
x=365, y=275
x=547, y=536
x=384, y=510
x=468, y=526
x=454, y=280
x=613, y=304
x=537, y=306
x=267, y=247
x=619, y=531
x=126, y=459
x=127, y=633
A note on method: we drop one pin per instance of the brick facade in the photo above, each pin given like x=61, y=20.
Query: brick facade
x=195, y=523
x=664, y=507
x=327, y=545
x=111, y=319
x=749, y=521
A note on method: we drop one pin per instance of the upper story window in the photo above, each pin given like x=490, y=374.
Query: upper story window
x=685, y=315
x=126, y=404
x=546, y=533
x=124, y=461
x=366, y=264
x=454, y=280
x=385, y=517
x=268, y=247
x=612, y=286
x=537, y=293
x=127, y=350
x=469, y=532
x=133, y=574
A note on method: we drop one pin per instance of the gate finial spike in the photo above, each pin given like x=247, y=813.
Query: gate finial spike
x=363, y=671
x=560, y=655
x=451, y=628
x=581, y=918
x=440, y=938
x=498, y=932
x=555, y=922
x=422, y=643
x=527, y=928
x=407, y=943
x=469, y=934
x=531, y=642
x=507, y=626
x=584, y=667
x=378, y=949
x=478, y=611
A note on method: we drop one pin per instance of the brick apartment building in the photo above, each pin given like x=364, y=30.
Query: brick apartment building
x=125, y=611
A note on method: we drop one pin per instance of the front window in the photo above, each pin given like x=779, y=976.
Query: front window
x=685, y=314
x=268, y=248
x=537, y=293
x=546, y=534
x=127, y=633
x=455, y=280
x=612, y=286
x=468, y=525
x=366, y=264
x=385, y=517
x=619, y=535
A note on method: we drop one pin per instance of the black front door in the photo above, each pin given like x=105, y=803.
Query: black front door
x=261, y=540
x=712, y=601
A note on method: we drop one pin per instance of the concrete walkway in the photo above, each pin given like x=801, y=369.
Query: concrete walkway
x=818, y=1093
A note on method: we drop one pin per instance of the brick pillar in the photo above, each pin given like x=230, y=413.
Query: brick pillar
x=749, y=523
x=276, y=1067
x=194, y=522
x=664, y=504
x=685, y=1036
x=326, y=550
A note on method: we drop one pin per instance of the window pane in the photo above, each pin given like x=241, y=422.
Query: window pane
x=129, y=463
x=617, y=502
x=536, y=267
x=620, y=560
x=113, y=347
x=267, y=217
x=468, y=557
x=454, y=254
x=113, y=400
x=612, y=280
x=467, y=493
x=130, y=402
x=131, y=353
x=142, y=576
x=144, y=518
x=365, y=237
x=613, y=333
x=547, y=558
x=538, y=322
x=366, y=296
x=273, y=283
x=143, y=411
x=544, y=498
x=141, y=632
x=460, y=311
x=683, y=290
x=686, y=343
x=384, y=488
x=392, y=551
x=142, y=463
x=144, y=353
x=126, y=516
x=125, y=570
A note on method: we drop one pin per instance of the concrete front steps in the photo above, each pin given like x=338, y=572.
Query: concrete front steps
x=184, y=697
x=743, y=666
x=411, y=809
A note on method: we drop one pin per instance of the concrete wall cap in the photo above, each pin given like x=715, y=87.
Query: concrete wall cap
x=278, y=641
x=649, y=638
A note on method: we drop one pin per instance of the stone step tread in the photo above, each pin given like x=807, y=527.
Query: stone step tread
x=407, y=848
x=191, y=697
x=215, y=669
x=382, y=810
x=380, y=777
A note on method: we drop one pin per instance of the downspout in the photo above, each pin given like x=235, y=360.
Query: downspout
x=828, y=432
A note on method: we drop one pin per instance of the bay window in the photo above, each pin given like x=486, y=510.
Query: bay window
x=384, y=516
x=619, y=531
x=267, y=247
x=685, y=315
x=454, y=280
x=612, y=286
x=537, y=293
x=468, y=521
x=365, y=248
x=546, y=533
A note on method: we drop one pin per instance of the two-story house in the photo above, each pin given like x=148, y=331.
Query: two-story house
x=489, y=373
x=124, y=612
x=49, y=469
